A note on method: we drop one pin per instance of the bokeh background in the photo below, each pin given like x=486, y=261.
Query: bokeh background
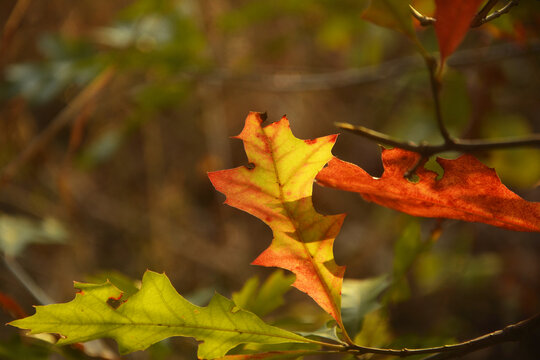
x=112, y=113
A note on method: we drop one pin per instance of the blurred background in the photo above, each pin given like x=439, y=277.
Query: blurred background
x=112, y=113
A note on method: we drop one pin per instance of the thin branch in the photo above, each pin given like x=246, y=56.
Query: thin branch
x=69, y=113
x=427, y=150
x=435, y=82
x=462, y=145
x=423, y=19
x=512, y=332
x=292, y=80
x=482, y=17
x=378, y=137
x=483, y=13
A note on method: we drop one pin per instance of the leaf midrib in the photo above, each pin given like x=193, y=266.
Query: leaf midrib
x=142, y=324
x=290, y=217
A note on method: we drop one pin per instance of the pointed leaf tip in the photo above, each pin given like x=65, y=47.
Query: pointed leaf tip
x=453, y=19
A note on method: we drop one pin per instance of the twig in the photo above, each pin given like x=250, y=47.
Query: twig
x=482, y=17
x=435, y=82
x=510, y=333
x=291, y=80
x=424, y=20
x=427, y=150
x=483, y=13
x=378, y=137
x=69, y=113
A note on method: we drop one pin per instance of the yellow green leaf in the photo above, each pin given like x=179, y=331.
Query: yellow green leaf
x=154, y=313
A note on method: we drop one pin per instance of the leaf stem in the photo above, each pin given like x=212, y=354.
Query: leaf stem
x=482, y=17
x=427, y=150
x=510, y=333
x=435, y=82
x=483, y=13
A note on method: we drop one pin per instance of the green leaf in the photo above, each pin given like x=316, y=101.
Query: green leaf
x=360, y=297
x=17, y=232
x=154, y=313
x=261, y=301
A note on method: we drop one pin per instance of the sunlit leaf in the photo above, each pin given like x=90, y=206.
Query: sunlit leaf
x=276, y=187
x=154, y=313
x=468, y=190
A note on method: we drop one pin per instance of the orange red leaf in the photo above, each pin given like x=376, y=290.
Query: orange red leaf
x=468, y=190
x=453, y=18
x=276, y=187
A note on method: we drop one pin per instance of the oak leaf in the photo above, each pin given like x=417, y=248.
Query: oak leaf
x=453, y=18
x=468, y=190
x=154, y=313
x=276, y=187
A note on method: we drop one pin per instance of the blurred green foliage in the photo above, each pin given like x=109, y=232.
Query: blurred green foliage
x=263, y=299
